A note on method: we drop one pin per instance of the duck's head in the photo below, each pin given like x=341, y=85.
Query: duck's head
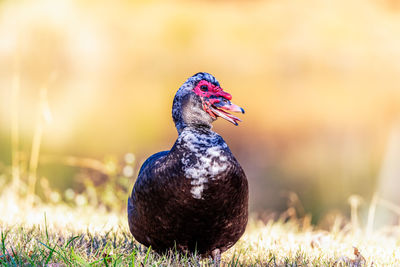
x=200, y=101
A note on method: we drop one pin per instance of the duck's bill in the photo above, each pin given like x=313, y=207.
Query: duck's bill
x=220, y=110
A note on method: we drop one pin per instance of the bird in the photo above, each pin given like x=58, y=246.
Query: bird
x=194, y=197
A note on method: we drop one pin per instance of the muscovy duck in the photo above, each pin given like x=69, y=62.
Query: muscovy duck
x=195, y=196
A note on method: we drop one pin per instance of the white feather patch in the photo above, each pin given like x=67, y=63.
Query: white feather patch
x=210, y=159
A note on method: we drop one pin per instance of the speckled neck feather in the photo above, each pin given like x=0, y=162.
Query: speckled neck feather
x=203, y=157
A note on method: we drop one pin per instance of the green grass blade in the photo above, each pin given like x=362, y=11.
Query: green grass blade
x=147, y=255
x=79, y=259
x=72, y=239
x=133, y=258
x=50, y=254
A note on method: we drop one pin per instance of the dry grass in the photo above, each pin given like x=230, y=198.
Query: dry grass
x=62, y=235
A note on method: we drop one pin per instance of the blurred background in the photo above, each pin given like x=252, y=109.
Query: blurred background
x=87, y=89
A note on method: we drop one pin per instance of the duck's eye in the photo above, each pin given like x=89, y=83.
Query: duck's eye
x=204, y=88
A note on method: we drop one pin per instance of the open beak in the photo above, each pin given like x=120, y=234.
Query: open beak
x=220, y=109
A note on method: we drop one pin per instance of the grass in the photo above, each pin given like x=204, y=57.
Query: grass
x=61, y=235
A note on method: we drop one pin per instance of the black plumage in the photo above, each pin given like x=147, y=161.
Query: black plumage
x=195, y=196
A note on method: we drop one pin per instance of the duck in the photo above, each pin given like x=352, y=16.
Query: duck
x=194, y=197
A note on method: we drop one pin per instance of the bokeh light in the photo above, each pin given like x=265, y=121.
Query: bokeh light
x=319, y=81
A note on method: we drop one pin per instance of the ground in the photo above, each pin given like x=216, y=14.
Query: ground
x=79, y=236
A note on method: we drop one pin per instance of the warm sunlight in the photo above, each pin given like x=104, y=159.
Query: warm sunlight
x=87, y=90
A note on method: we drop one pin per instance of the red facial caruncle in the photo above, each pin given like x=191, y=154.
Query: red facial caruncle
x=207, y=89
x=215, y=101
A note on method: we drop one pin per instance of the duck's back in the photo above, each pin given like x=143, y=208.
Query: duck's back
x=192, y=197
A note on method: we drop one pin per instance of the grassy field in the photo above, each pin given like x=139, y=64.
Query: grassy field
x=87, y=82
x=62, y=235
